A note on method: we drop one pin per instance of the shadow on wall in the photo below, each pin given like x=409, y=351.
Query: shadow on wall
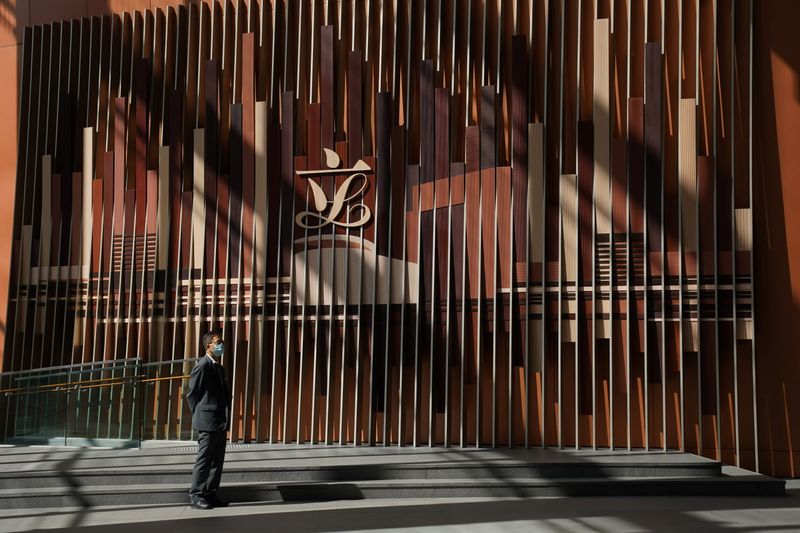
x=776, y=164
x=776, y=183
x=15, y=15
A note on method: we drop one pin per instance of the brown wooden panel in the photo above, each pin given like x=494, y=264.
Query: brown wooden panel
x=119, y=163
x=504, y=242
x=175, y=175
x=108, y=207
x=157, y=103
x=519, y=139
x=705, y=194
x=186, y=224
x=140, y=104
x=472, y=205
x=412, y=213
x=382, y=173
x=585, y=203
x=488, y=231
x=636, y=163
x=653, y=146
x=441, y=193
x=220, y=253
x=97, y=218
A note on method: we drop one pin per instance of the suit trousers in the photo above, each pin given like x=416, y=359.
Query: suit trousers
x=207, y=470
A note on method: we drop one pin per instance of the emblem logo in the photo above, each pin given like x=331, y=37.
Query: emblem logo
x=329, y=211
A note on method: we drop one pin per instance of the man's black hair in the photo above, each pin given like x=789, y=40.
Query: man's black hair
x=208, y=337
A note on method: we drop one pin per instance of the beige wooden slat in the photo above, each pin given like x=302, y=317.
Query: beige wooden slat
x=86, y=204
x=602, y=164
x=744, y=329
x=86, y=231
x=260, y=275
x=744, y=229
x=569, y=225
x=536, y=229
x=198, y=223
x=47, y=222
x=198, y=199
x=536, y=172
x=601, y=116
x=687, y=172
x=260, y=233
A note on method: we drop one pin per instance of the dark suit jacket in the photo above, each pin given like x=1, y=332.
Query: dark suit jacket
x=209, y=397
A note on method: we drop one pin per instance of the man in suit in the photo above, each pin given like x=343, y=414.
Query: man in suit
x=210, y=402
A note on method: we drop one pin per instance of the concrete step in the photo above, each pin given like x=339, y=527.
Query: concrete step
x=236, y=472
x=58, y=476
x=135, y=494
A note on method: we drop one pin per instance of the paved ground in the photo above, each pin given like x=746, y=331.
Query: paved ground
x=618, y=515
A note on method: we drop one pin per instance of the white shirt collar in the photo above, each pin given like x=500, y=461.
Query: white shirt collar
x=212, y=359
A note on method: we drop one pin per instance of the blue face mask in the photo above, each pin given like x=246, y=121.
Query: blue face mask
x=218, y=350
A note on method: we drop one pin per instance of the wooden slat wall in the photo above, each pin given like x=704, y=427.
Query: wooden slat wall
x=526, y=271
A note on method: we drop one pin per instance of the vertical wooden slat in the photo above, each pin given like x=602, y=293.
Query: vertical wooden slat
x=536, y=211
x=247, y=285
x=259, y=283
x=47, y=221
x=198, y=201
x=286, y=232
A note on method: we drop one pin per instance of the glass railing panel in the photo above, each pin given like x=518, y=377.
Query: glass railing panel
x=166, y=415
x=107, y=403
x=84, y=404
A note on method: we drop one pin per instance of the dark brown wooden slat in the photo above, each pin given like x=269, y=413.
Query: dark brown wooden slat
x=326, y=86
x=287, y=181
x=235, y=214
x=519, y=139
x=707, y=223
x=248, y=151
x=140, y=103
x=636, y=162
x=442, y=253
x=210, y=150
x=585, y=203
x=354, y=95
x=472, y=250
x=653, y=145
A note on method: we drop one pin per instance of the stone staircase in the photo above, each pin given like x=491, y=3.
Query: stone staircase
x=38, y=477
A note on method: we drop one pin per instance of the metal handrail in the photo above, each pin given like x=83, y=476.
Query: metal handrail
x=75, y=373
x=95, y=384
x=62, y=367
x=65, y=385
x=135, y=379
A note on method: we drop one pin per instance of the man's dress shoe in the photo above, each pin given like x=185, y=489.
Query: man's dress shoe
x=200, y=503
